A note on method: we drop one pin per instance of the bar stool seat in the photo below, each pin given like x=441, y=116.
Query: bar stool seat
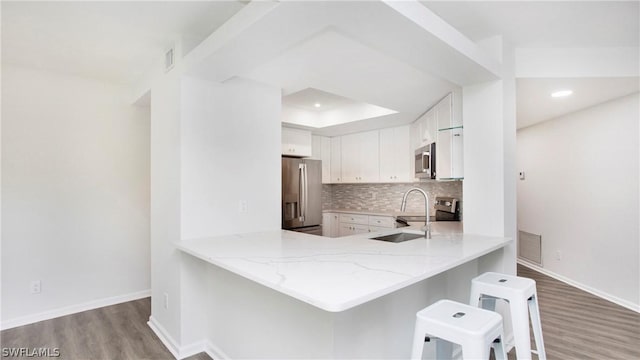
x=447, y=322
x=522, y=297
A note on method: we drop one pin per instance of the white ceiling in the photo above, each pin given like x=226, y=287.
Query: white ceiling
x=362, y=51
x=535, y=103
x=552, y=24
x=110, y=40
x=308, y=98
x=545, y=23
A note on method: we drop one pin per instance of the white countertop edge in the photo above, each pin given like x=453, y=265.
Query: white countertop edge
x=330, y=307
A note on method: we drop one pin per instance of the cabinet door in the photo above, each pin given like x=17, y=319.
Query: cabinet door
x=395, y=155
x=430, y=127
x=369, y=157
x=321, y=150
x=350, y=158
x=457, y=156
x=416, y=136
x=443, y=154
x=327, y=219
x=444, y=113
x=335, y=225
x=325, y=145
x=336, y=159
x=347, y=229
x=449, y=154
x=296, y=142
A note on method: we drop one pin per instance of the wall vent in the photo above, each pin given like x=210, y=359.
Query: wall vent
x=530, y=247
x=169, y=60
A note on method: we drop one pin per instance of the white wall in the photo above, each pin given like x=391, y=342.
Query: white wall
x=581, y=195
x=212, y=145
x=230, y=153
x=75, y=184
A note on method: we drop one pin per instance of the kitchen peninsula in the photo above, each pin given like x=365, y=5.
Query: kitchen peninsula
x=283, y=294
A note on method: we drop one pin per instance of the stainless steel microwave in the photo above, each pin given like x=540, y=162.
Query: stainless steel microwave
x=426, y=162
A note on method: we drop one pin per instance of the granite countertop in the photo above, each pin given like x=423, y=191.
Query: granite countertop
x=336, y=274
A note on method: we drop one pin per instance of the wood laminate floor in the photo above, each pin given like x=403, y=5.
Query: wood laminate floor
x=576, y=325
x=112, y=332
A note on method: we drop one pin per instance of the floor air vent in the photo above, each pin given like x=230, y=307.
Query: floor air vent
x=530, y=247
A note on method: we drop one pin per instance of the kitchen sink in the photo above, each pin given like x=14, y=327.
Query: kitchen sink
x=399, y=237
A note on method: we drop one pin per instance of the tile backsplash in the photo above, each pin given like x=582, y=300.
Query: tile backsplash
x=386, y=197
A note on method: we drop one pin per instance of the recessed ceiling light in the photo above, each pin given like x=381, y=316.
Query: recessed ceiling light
x=561, y=93
x=317, y=105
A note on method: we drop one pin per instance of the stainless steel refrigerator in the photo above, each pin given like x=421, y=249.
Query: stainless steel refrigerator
x=302, y=195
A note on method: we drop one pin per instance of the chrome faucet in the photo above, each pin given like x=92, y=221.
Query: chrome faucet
x=427, y=221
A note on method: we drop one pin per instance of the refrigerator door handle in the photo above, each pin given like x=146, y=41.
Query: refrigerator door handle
x=306, y=192
x=301, y=188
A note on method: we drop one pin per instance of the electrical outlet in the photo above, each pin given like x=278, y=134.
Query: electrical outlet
x=243, y=206
x=521, y=175
x=558, y=255
x=36, y=287
x=166, y=300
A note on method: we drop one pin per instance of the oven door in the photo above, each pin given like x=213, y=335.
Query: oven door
x=423, y=161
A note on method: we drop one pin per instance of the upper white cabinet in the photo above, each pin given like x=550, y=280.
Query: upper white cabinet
x=449, y=143
x=335, y=170
x=395, y=155
x=296, y=142
x=444, y=113
x=321, y=150
x=425, y=129
x=360, y=157
x=449, y=157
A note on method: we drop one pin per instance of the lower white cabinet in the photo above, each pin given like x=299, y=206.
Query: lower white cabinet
x=352, y=224
x=330, y=224
x=347, y=229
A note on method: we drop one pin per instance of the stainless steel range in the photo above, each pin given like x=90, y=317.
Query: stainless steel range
x=447, y=208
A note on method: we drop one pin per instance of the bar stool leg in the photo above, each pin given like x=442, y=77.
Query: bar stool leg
x=499, y=349
x=520, y=316
x=418, y=342
x=534, y=311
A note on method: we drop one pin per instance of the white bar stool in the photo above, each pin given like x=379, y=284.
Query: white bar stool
x=522, y=297
x=473, y=328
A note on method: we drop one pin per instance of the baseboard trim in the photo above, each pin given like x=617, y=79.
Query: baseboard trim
x=215, y=352
x=73, y=309
x=181, y=352
x=601, y=294
x=164, y=337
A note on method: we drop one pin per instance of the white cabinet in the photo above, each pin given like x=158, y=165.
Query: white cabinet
x=335, y=167
x=425, y=129
x=444, y=113
x=449, y=157
x=395, y=155
x=351, y=224
x=352, y=229
x=449, y=144
x=360, y=157
x=321, y=150
x=330, y=224
x=296, y=142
